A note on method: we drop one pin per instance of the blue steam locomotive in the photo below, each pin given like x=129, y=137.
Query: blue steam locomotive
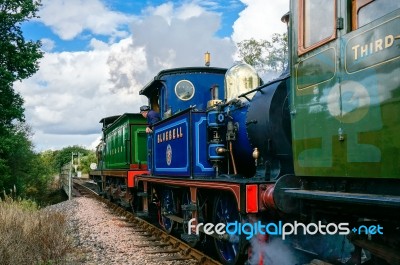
x=319, y=144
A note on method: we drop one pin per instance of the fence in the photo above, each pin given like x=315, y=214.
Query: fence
x=66, y=179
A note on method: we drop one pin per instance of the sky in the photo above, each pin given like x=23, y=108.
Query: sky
x=100, y=53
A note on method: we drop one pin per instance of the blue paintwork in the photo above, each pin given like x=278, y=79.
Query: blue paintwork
x=202, y=78
x=202, y=83
x=180, y=146
x=242, y=148
x=212, y=151
x=201, y=166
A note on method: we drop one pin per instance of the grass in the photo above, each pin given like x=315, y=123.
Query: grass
x=30, y=236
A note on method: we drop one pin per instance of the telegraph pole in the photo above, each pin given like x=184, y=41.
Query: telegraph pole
x=70, y=173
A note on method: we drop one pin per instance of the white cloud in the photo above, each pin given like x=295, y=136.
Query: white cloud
x=96, y=44
x=46, y=115
x=176, y=40
x=47, y=44
x=188, y=11
x=70, y=18
x=72, y=91
x=46, y=141
x=128, y=66
x=260, y=19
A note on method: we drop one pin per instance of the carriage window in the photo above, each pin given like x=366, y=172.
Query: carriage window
x=317, y=23
x=368, y=10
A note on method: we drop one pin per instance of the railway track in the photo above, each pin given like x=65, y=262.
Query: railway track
x=154, y=236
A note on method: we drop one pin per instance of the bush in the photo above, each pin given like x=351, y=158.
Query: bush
x=30, y=236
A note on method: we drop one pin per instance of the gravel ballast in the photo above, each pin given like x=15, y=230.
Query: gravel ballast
x=101, y=237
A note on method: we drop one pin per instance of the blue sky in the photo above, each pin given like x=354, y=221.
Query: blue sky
x=227, y=9
x=100, y=53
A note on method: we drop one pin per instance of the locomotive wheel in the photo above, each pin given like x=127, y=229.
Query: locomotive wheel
x=226, y=211
x=168, y=206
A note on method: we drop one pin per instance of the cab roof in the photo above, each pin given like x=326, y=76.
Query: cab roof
x=153, y=85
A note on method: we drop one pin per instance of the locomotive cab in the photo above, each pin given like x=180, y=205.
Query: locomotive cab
x=178, y=89
x=178, y=140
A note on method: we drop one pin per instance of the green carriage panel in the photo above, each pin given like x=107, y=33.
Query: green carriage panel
x=125, y=142
x=345, y=101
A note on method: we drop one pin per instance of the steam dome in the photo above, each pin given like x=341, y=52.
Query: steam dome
x=239, y=79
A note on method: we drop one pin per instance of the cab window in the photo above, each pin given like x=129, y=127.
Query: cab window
x=317, y=23
x=370, y=10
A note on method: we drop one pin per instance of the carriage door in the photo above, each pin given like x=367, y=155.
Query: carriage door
x=138, y=143
x=370, y=53
x=315, y=126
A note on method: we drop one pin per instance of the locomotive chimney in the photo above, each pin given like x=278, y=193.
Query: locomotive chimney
x=207, y=59
x=214, y=97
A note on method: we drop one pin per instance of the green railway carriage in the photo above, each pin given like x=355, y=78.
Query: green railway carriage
x=122, y=154
x=124, y=141
x=345, y=119
x=346, y=89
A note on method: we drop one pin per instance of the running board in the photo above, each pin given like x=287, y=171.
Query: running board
x=344, y=197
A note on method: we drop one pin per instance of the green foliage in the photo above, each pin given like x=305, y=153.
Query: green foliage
x=64, y=156
x=265, y=55
x=11, y=106
x=277, y=58
x=252, y=51
x=19, y=59
x=87, y=160
x=33, y=174
x=21, y=167
x=15, y=155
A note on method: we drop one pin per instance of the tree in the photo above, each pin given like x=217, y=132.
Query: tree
x=87, y=160
x=277, y=57
x=19, y=59
x=21, y=166
x=64, y=156
x=252, y=51
x=265, y=55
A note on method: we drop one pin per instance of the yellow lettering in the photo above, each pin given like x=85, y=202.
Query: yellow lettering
x=378, y=45
x=364, y=50
x=373, y=47
x=169, y=135
x=355, y=49
x=389, y=39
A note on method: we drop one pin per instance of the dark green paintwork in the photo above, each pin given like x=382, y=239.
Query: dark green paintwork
x=348, y=88
x=126, y=142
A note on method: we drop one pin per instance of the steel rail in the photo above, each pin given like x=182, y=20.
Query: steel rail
x=159, y=237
